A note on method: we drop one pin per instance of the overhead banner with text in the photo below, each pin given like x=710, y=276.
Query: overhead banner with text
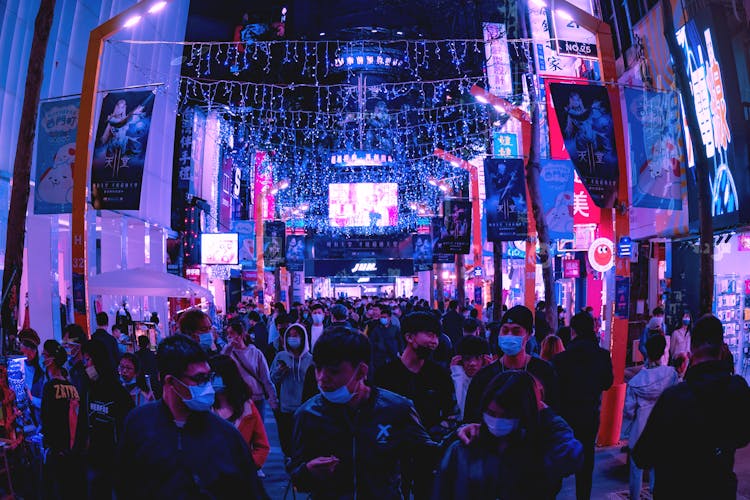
x=55, y=154
x=454, y=232
x=556, y=183
x=120, y=150
x=422, y=252
x=273, y=243
x=585, y=117
x=655, y=148
x=437, y=228
x=505, y=206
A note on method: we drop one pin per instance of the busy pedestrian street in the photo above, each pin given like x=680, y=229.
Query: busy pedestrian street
x=374, y=249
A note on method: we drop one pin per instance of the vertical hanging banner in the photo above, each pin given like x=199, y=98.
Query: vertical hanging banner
x=55, y=154
x=295, y=252
x=455, y=231
x=556, y=183
x=585, y=118
x=505, y=206
x=498, y=59
x=273, y=243
x=437, y=231
x=655, y=151
x=421, y=252
x=245, y=230
x=120, y=150
x=226, y=191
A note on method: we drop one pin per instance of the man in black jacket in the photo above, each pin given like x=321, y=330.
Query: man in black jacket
x=584, y=371
x=453, y=322
x=695, y=427
x=101, y=335
x=351, y=439
x=176, y=447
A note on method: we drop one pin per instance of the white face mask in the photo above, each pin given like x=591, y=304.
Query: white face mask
x=500, y=427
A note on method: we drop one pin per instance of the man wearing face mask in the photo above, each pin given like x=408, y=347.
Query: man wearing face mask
x=655, y=326
x=352, y=439
x=316, y=327
x=177, y=448
x=515, y=331
x=197, y=325
x=385, y=339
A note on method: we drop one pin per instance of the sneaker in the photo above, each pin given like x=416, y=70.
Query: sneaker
x=261, y=473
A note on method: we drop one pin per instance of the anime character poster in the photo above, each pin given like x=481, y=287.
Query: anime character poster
x=120, y=150
x=55, y=154
x=556, y=184
x=295, y=252
x=454, y=232
x=421, y=252
x=585, y=118
x=655, y=148
x=505, y=207
x=245, y=230
x=273, y=244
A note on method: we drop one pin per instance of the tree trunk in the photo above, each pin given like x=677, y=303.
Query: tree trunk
x=497, y=284
x=533, y=170
x=19, y=197
x=701, y=162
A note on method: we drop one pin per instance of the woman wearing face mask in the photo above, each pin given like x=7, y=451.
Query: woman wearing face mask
x=132, y=380
x=522, y=450
x=233, y=403
x=63, y=470
x=108, y=405
x=288, y=372
x=34, y=376
x=679, y=343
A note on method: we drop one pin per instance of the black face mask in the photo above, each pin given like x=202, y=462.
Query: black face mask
x=423, y=352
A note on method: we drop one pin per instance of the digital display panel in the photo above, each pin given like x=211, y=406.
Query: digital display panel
x=219, y=249
x=363, y=204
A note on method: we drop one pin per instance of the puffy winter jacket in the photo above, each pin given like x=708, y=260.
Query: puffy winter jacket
x=643, y=391
x=523, y=471
x=370, y=441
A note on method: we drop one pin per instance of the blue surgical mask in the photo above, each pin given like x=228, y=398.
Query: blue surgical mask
x=686, y=321
x=384, y=321
x=201, y=396
x=218, y=384
x=510, y=344
x=340, y=396
x=317, y=318
x=294, y=342
x=122, y=348
x=500, y=427
x=127, y=384
x=206, y=340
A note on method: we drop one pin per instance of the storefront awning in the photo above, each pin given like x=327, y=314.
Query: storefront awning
x=145, y=282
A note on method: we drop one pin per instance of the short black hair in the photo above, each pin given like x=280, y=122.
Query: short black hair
x=144, y=342
x=583, y=325
x=708, y=334
x=102, y=319
x=470, y=325
x=235, y=389
x=420, y=322
x=472, y=346
x=253, y=316
x=75, y=333
x=190, y=320
x=176, y=353
x=384, y=309
x=453, y=304
x=337, y=346
x=655, y=346
x=317, y=305
x=658, y=311
x=59, y=356
x=238, y=326
x=282, y=319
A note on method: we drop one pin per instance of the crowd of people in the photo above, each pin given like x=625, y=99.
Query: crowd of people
x=378, y=398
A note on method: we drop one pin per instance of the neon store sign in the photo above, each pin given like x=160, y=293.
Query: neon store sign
x=708, y=94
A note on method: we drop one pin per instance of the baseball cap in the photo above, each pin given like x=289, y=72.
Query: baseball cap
x=519, y=315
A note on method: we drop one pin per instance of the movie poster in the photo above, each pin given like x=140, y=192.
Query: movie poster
x=55, y=155
x=421, y=252
x=585, y=118
x=245, y=230
x=295, y=252
x=273, y=244
x=120, y=150
x=437, y=228
x=655, y=148
x=505, y=207
x=556, y=183
x=454, y=232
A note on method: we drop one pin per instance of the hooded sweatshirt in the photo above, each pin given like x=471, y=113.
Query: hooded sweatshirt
x=292, y=382
x=642, y=392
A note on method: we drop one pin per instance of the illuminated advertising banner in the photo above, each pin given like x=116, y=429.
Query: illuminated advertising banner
x=506, y=211
x=422, y=252
x=556, y=185
x=716, y=98
x=569, y=37
x=219, y=248
x=497, y=59
x=55, y=154
x=550, y=62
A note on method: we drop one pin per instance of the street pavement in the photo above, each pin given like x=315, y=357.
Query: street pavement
x=610, y=473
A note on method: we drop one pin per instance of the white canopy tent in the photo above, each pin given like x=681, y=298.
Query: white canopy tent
x=145, y=282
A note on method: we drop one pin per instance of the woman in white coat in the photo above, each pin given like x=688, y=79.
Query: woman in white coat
x=642, y=393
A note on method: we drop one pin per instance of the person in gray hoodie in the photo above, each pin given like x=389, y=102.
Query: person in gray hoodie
x=641, y=395
x=288, y=372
